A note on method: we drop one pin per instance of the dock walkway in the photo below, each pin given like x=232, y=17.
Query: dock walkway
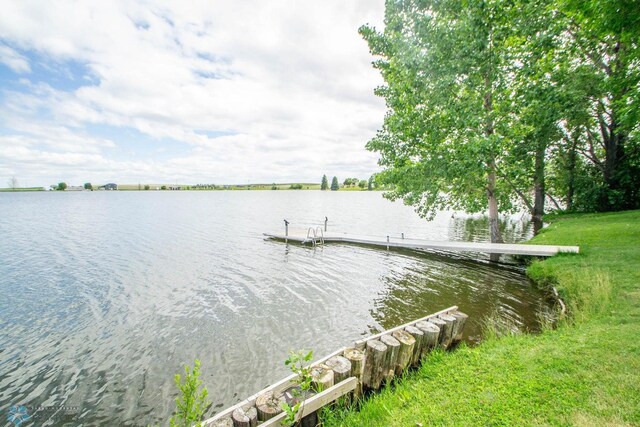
x=300, y=236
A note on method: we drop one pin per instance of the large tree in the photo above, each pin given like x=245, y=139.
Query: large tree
x=601, y=60
x=325, y=183
x=334, y=184
x=445, y=134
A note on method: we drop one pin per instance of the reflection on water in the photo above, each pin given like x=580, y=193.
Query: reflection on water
x=105, y=296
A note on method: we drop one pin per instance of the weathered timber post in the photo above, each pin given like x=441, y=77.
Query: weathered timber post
x=293, y=395
x=341, y=367
x=387, y=242
x=431, y=336
x=225, y=422
x=448, y=329
x=440, y=324
x=374, y=358
x=242, y=418
x=402, y=236
x=390, y=360
x=356, y=358
x=417, y=335
x=322, y=377
x=269, y=405
x=458, y=327
x=326, y=220
x=405, y=353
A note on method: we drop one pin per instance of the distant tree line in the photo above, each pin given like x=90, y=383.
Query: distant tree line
x=369, y=184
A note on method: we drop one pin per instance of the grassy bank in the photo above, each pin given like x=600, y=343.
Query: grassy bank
x=584, y=373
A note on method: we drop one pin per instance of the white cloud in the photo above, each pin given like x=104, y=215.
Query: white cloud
x=291, y=81
x=14, y=60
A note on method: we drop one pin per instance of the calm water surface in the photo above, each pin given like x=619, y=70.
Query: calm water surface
x=106, y=295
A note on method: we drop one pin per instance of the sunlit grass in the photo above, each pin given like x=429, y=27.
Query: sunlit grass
x=586, y=372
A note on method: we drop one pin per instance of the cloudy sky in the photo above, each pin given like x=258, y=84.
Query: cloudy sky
x=189, y=92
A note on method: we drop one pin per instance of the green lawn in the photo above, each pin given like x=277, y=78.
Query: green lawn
x=584, y=373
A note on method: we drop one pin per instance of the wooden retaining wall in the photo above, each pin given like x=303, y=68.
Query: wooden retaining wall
x=368, y=364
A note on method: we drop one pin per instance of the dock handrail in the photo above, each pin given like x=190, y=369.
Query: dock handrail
x=309, y=238
x=321, y=233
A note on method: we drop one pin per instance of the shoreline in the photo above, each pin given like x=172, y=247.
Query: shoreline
x=585, y=371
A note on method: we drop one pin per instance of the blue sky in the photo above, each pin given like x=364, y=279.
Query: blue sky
x=216, y=92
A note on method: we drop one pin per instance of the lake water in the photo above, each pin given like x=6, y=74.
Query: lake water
x=105, y=295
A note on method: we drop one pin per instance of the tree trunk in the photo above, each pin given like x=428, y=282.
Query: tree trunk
x=571, y=172
x=538, y=187
x=496, y=235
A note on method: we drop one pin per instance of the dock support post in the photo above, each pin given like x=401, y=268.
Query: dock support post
x=326, y=220
x=402, y=236
x=286, y=230
x=387, y=242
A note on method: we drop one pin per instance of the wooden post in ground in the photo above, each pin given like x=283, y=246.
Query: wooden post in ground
x=242, y=418
x=374, y=359
x=431, y=336
x=458, y=327
x=356, y=358
x=405, y=353
x=225, y=422
x=322, y=377
x=417, y=335
x=448, y=329
x=393, y=348
x=269, y=405
x=341, y=367
x=440, y=324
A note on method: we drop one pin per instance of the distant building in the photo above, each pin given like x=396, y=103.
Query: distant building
x=75, y=188
x=110, y=186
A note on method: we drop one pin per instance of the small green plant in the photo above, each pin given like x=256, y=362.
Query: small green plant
x=299, y=363
x=192, y=402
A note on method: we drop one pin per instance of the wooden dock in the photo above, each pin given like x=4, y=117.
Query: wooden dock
x=306, y=237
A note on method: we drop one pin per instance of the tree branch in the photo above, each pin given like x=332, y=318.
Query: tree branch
x=526, y=201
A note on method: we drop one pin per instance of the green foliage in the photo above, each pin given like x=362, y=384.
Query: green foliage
x=88, y=186
x=298, y=362
x=295, y=187
x=192, y=402
x=61, y=186
x=362, y=184
x=371, y=184
x=325, y=183
x=146, y=187
x=511, y=100
x=334, y=184
x=164, y=187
